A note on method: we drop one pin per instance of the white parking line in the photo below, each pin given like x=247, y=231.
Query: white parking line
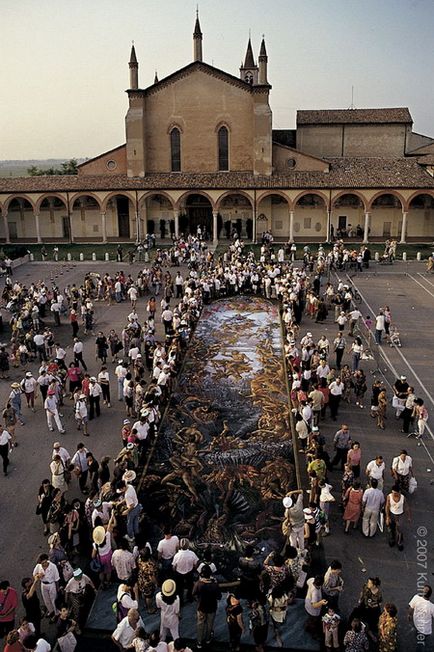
x=392, y=368
x=421, y=285
x=426, y=279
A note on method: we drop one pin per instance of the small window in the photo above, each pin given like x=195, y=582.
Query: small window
x=111, y=165
x=223, y=145
x=175, y=148
x=291, y=163
x=307, y=222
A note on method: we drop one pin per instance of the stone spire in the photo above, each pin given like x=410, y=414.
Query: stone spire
x=134, y=69
x=263, y=61
x=156, y=78
x=249, y=61
x=248, y=69
x=197, y=40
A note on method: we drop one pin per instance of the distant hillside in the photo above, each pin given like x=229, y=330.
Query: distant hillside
x=18, y=168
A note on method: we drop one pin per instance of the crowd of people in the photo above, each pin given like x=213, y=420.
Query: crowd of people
x=102, y=529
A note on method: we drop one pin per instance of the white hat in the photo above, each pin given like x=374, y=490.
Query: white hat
x=28, y=374
x=315, y=429
x=82, y=396
x=77, y=572
x=307, y=513
x=308, y=334
x=92, y=379
x=403, y=377
x=126, y=421
x=287, y=502
x=129, y=476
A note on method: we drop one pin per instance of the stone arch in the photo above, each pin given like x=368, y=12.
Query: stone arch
x=181, y=200
x=268, y=193
x=111, y=195
x=393, y=193
x=315, y=193
x=155, y=193
x=49, y=195
x=79, y=195
x=9, y=201
x=428, y=192
x=356, y=193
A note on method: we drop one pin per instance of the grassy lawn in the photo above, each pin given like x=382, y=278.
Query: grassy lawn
x=411, y=249
x=74, y=249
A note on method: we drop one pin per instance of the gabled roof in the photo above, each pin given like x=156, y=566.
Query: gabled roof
x=95, y=158
x=354, y=116
x=187, y=70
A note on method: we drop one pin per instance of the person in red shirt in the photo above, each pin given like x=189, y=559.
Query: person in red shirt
x=13, y=643
x=8, y=607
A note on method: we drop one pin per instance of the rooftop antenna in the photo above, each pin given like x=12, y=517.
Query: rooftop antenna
x=352, y=106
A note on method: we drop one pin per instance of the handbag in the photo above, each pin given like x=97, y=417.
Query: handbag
x=67, y=643
x=412, y=485
x=96, y=564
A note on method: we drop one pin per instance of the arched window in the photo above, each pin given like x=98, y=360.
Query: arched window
x=175, y=149
x=223, y=145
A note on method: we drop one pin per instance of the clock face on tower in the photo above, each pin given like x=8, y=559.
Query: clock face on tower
x=248, y=77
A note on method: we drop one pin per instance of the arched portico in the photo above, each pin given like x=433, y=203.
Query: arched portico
x=420, y=217
x=87, y=219
x=311, y=219
x=53, y=219
x=19, y=221
x=348, y=216
x=273, y=215
x=387, y=216
x=120, y=217
x=235, y=215
x=157, y=215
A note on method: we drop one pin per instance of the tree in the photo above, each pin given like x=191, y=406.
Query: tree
x=69, y=167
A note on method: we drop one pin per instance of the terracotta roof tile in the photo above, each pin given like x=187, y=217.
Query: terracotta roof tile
x=354, y=116
x=344, y=173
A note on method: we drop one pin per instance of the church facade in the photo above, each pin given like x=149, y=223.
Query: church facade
x=200, y=150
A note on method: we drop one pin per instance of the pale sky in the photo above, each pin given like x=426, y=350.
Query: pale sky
x=64, y=65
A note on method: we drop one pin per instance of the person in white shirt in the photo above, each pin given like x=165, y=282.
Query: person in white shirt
x=39, y=341
x=78, y=353
x=379, y=326
x=421, y=610
x=35, y=644
x=60, y=450
x=104, y=381
x=95, y=393
x=60, y=356
x=80, y=411
x=29, y=385
x=123, y=562
x=132, y=506
x=166, y=549
x=402, y=469
x=375, y=470
x=125, y=632
x=354, y=316
x=5, y=446
x=52, y=412
x=47, y=573
x=184, y=564
x=120, y=373
x=132, y=295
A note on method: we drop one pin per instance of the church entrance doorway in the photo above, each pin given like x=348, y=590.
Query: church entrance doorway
x=199, y=214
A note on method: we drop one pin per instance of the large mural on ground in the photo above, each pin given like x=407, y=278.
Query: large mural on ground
x=224, y=457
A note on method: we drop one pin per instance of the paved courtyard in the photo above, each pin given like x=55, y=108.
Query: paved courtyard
x=410, y=295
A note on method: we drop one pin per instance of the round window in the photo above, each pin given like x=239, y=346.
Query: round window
x=291, y=162
x=111, y=165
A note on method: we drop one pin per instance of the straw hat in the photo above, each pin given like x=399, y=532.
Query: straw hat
x=287, y=502
x=98, y=535
x=168, y=588
x=129, y=476
x=15, y=385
